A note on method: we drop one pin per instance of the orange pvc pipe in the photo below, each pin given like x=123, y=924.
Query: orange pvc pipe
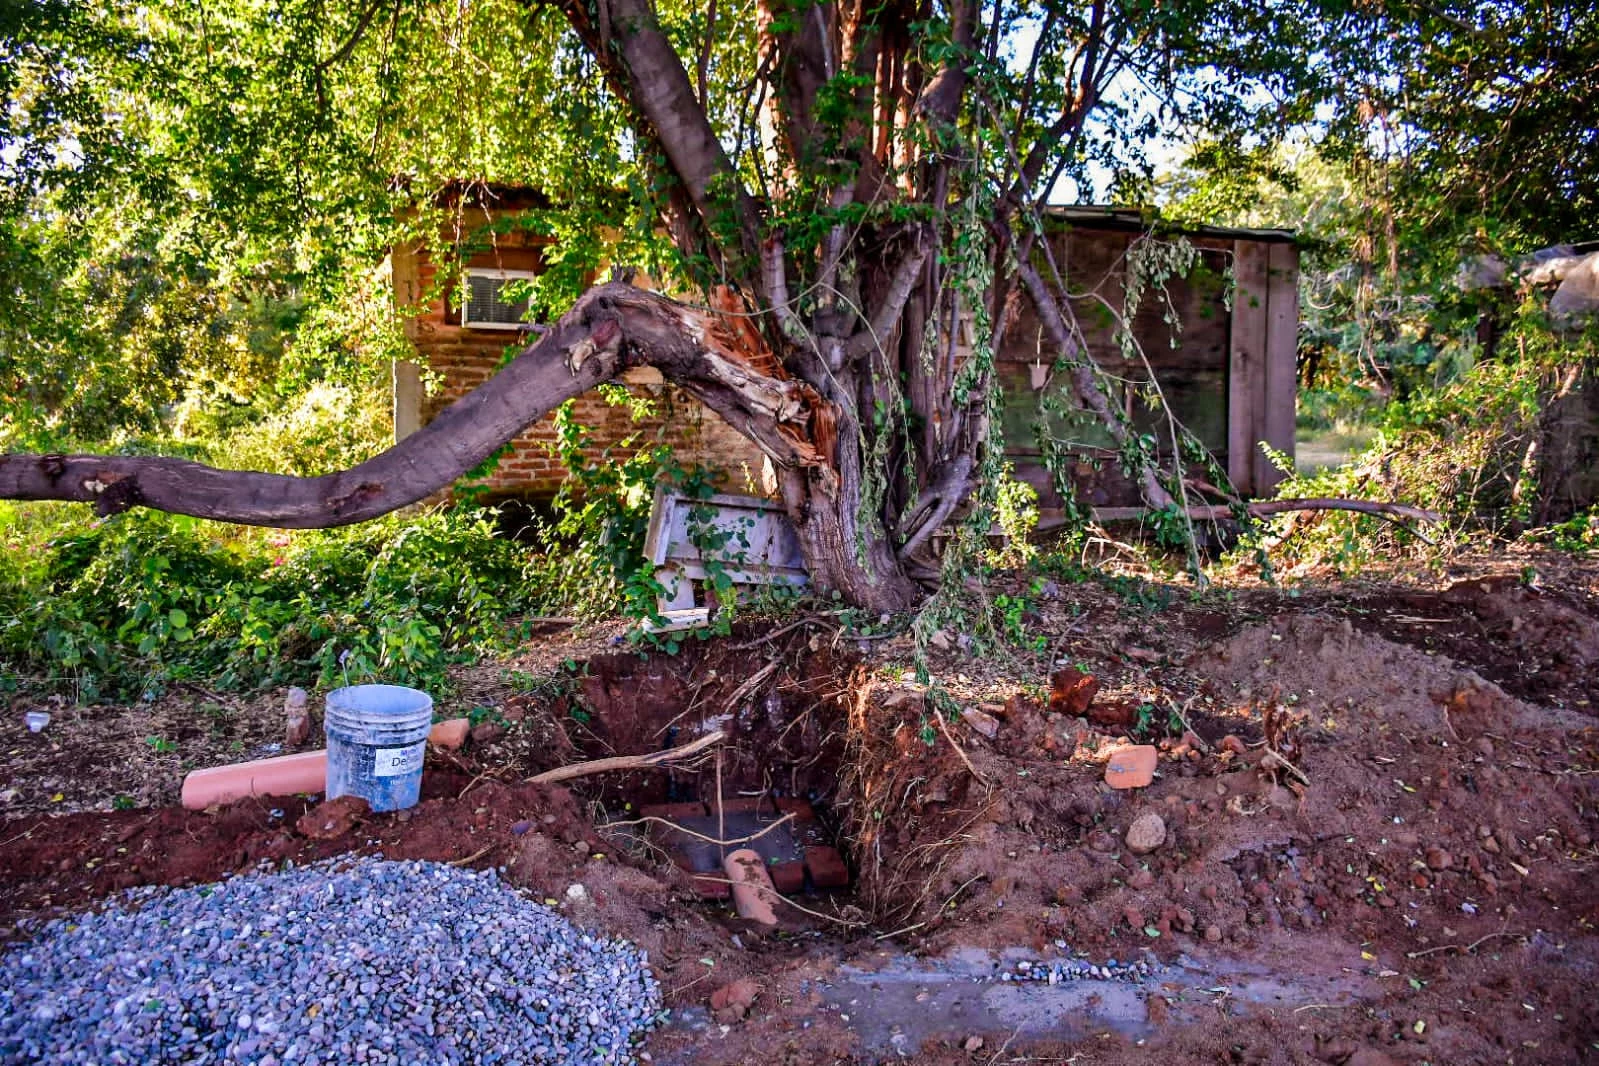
x=286, y=775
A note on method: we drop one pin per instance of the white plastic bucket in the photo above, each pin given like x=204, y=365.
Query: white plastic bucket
x=377, y=738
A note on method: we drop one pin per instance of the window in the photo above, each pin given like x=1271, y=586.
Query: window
x=486, y=306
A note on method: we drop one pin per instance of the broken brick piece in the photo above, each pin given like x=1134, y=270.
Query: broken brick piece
x=826, y=867
x=788, y=877
x=753, y=892
x=449, y=735
x=1131, y=766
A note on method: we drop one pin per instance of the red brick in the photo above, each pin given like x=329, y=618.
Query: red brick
x=789, y=877
x=826, y=867
x=746, y=805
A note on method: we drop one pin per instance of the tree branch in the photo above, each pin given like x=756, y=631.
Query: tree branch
x=614, y=326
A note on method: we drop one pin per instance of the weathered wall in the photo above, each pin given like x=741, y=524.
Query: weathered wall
x=1225, y=372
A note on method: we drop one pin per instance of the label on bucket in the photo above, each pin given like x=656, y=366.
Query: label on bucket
x=393, y=762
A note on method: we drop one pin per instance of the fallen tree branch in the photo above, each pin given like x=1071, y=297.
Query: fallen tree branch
x=610, y=328
x=626, y=762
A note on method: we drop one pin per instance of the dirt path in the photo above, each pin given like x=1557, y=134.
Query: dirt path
x=1383, y=850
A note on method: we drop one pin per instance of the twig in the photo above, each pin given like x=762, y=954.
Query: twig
x=721, y=807
x=1456, y=947
x=701, y=836
x=1204, y=746
x=766, y=638
x=943, y=728
x=474, y=857
x=1323, y=1006
x=897, y=932
x=779, y=897
x=1290, y=767
x=626, y=762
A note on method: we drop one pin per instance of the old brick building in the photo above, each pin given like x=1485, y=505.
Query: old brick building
x=1220, y=341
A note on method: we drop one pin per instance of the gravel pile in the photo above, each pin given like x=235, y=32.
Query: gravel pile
x=1075, y=970
x=352, y=961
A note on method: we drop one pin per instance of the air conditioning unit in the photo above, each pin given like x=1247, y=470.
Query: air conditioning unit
x=484, y=305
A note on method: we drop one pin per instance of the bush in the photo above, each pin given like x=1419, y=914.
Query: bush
x=122, y=606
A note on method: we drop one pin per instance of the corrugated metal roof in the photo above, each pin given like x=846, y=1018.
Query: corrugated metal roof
x=1128, y=218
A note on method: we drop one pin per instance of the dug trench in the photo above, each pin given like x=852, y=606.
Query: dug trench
x=1369, y=852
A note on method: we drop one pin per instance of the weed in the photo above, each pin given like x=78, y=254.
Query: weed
x=161, y=745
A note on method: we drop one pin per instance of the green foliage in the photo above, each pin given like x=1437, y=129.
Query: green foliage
x=122, y=606
x=1468, y=450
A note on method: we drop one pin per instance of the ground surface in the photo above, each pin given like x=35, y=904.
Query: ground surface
x=1391, y=860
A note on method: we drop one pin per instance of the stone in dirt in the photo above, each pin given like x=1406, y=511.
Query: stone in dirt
x=733, y=1001
x=487, y=732
x=983, y=723
x=296, y=719
x=1071, y=691
x=331, y=820
x=1131, y=766
x=1147, y=833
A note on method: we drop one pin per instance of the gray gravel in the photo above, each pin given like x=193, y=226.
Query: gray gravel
x=1059, y=970
x=351, y=961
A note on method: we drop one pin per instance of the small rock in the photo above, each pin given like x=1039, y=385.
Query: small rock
x=296, y=719
x=1071, y=691
x=1213, y=934
x=1438, y=859
x=487, y=732
x=1484, y=747
x=1131, y=766
x=1232, y=744
x=1147, y=833
x=983, y=723
x=973, y=1045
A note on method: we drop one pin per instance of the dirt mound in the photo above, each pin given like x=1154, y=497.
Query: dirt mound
x=1538, y=643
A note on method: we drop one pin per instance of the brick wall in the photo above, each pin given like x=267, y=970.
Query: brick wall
x=461, y=359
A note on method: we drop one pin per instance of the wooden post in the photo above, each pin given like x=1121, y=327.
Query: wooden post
x=1246, y=369
x=1282, y=348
